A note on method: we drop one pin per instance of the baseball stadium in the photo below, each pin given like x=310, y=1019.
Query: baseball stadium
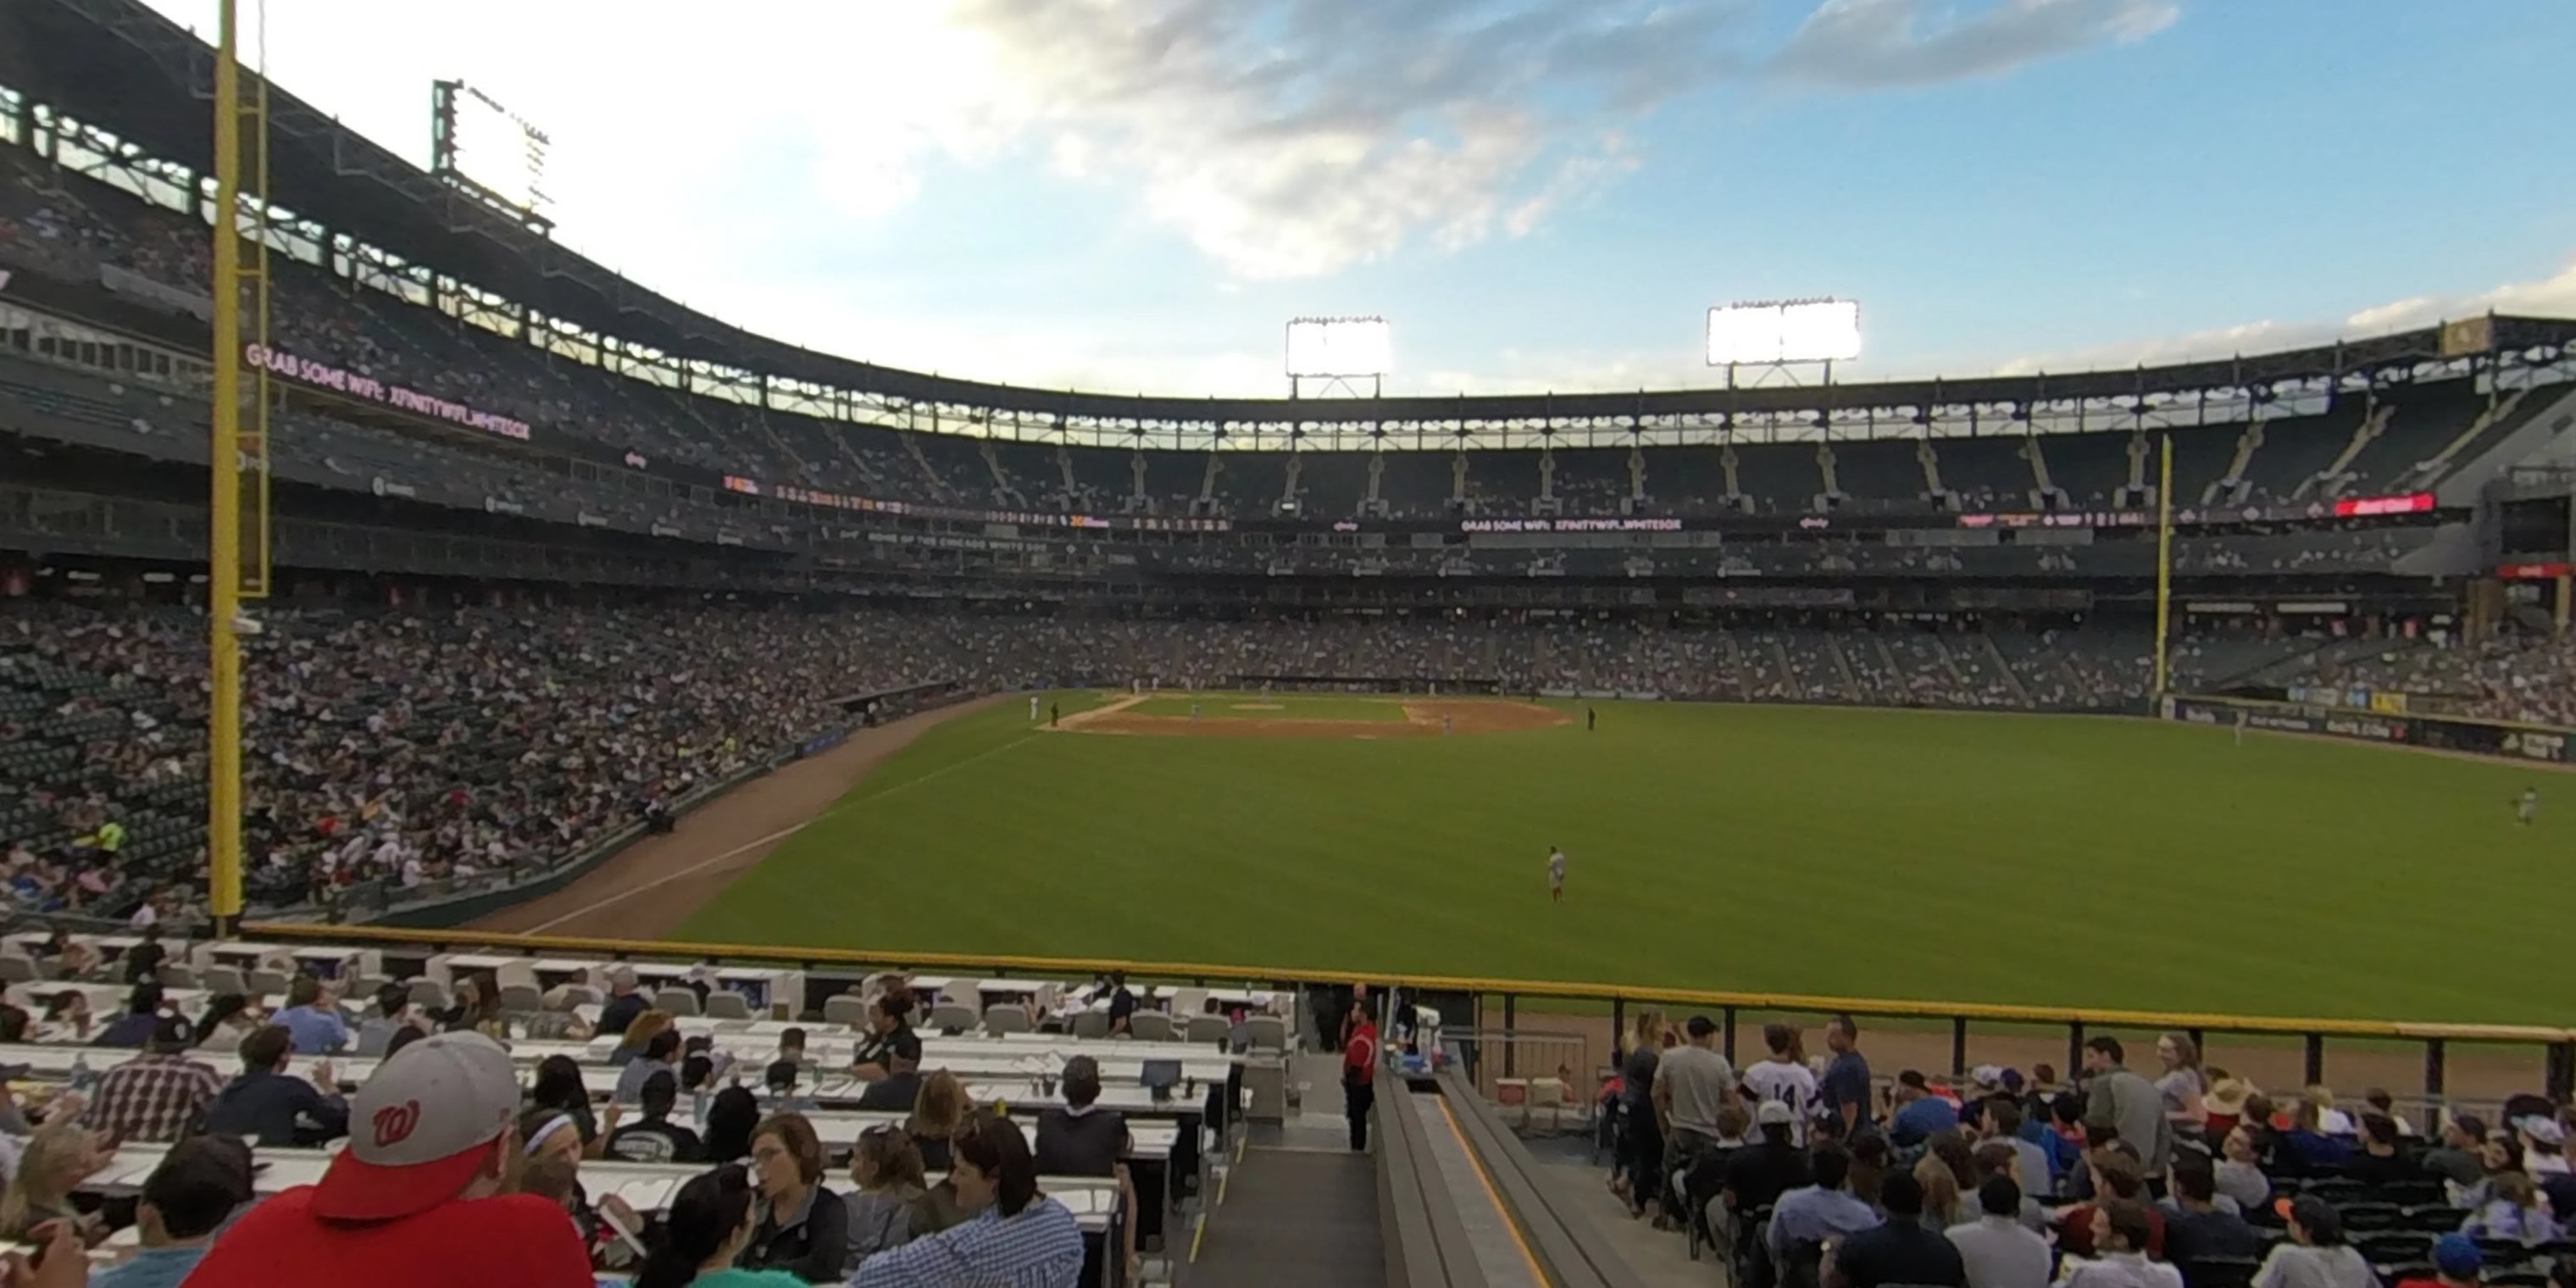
x=691, y=751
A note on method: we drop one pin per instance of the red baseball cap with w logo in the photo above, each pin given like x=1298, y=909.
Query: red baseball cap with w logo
x=420, y=1128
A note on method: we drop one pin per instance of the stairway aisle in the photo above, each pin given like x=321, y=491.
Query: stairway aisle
x=1294, y=1217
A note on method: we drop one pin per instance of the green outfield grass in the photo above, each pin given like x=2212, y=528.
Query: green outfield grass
x=1266, y=706
x=2030, y=859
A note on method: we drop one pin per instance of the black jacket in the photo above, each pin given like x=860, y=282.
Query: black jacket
x=812, y=1249
x=262, y=1108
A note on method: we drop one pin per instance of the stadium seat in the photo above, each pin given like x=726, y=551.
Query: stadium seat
x=1003, y=1017
x=724, y=1004
x=678, y=1001
x=1210, y=1028
x=429, y=994
x=949, y=1017
x=522, y=998
x=267, y=983
x=1091, y=1024
x=223, y=979
x=1187, y=1001
x=1269, y=1033
x=1150, y=1026
x=17, y=968
x=174, y=975
x=2219, y=1272
x=845, y=1008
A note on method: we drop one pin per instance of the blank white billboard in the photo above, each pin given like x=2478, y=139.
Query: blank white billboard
x=500, y=151
x=1784, y=331
x=1340, y=347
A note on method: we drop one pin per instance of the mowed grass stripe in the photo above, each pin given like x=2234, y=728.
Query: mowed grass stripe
x=2042, y=860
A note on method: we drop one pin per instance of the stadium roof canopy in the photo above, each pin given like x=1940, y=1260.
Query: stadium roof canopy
x=120, y=67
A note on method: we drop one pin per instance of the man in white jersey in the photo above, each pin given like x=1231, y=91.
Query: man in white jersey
x=1555, y=875
x=2528, y=808
x=1780, y=1076
x=2240, y=728
x=1033, y=708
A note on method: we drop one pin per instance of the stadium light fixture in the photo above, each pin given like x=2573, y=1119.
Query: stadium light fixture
x=1339, y=347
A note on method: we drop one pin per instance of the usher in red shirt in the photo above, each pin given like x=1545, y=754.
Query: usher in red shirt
x=1359, y=1059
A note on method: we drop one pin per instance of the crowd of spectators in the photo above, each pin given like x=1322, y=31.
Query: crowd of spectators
x=1803, y=1174
x=447, y=1171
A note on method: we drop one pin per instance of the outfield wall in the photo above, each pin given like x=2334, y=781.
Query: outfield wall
x=2441, y=733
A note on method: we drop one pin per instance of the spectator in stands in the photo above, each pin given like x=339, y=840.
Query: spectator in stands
x=2119, y=1242
x=477, y=1009
x=2315, y=1255
x=706, y=1228
x=2224, y=1107
x=57, y=1158
x=2306, y=1147
x=1996, y=1158
x=889, y=1038
x=2455, y=1159
x=802, y=1227
x=729, y=1121
x=2129, y=1101
x=1845, y=1088
x=13, y=1023
x=639, y=1033
x=1997, y=1250
x=791, y=1046
x=1899, y=1250
x=312, y=1019
x=2380, y=1162
x=2513, y=1210
x=553, y=1148
x=778, y=1083
x=2117, y=1178
x=1919, y=1112
x=228, y=1019
x=624, y=1002
x=143, y=961
x=2544, y=1146
x=1017, y=1235
x=1782, y=1074
x=403, y=1038
x=1693, y=1086
x=1641, y=1140
x=393, y=1011
x=2457, y=1263
x=1082, y=1139
x=2240, y=1174
x=190, y=1194
x=655, y=1138
x=160, y=1095
x=2201, y=1222
x=269, y=1107
x=142, y=1017
x=2182, y=1085
x=416, y=1196
x=938, y=1114
x=1947, y=1173
x=561, y=1087
x=1808, y=1215
x=886, y=1170
x=897, y=1088
x=661, y=1055
x=1122, y=1004
x=1999, y=1119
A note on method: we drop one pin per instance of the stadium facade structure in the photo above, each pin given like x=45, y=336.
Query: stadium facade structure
x=457, y=395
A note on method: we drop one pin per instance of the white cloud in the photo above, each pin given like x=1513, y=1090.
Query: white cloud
x=1873, y=43
x=2551, y=296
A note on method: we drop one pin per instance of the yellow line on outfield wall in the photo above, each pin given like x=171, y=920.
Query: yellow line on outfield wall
x=1084, y=966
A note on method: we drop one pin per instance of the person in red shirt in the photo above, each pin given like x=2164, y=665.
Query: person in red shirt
x=415, y=1199
x=1359, y=1072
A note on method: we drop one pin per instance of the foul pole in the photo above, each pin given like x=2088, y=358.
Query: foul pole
x=2164, y=558
x=224, y=568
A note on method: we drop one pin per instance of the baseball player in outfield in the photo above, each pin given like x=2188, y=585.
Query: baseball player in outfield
x=1555, y=875
x=1033, y=708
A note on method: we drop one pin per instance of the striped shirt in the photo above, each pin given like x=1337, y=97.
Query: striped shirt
x=1039, y=1248
x=154, y=1097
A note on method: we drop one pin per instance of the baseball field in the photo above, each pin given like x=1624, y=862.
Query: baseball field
x=2103, y=862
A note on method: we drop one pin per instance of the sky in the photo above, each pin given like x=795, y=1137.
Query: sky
x=1135, y=195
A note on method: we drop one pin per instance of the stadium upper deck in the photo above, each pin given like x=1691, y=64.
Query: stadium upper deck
x=412, y=285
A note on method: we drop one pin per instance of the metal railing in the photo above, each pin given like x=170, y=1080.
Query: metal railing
x=1483, y=996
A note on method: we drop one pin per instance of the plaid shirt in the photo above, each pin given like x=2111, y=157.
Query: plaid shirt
x=154, y=1097
x=1039, y=1248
